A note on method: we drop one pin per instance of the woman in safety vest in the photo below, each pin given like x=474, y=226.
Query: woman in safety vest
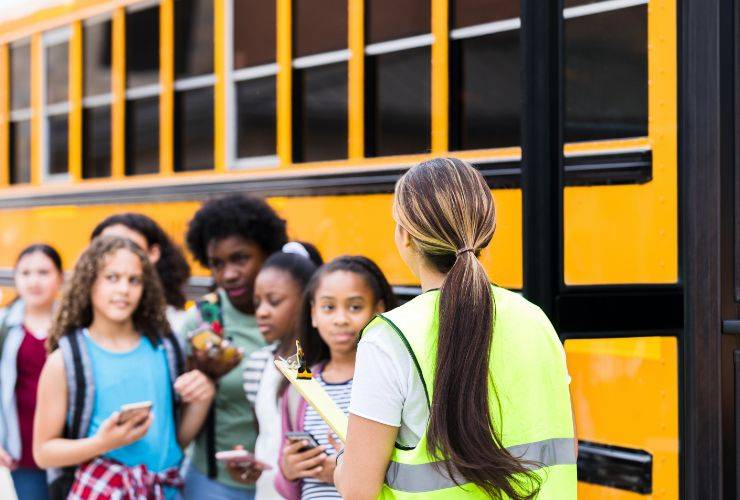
x=463, y=391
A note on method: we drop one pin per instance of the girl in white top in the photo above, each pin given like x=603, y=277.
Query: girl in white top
x=278, y=291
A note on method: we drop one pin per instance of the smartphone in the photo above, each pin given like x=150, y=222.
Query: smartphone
x=132, y=410
x=303, y=436
x=241, y=457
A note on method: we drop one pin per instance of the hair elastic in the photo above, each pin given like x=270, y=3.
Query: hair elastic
x=296, y=248
x=463, y=250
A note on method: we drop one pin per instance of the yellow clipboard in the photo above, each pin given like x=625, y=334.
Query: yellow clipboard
x=317, y=397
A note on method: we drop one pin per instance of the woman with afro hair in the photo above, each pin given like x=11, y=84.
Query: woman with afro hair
x=231, y=236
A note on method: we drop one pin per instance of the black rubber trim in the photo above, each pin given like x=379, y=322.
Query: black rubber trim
x=621, y=168
x=616, y=467
x=81, y=389
x=731, y=326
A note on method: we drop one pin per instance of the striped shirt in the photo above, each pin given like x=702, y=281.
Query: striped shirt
x=254, y=366
x=312, y=489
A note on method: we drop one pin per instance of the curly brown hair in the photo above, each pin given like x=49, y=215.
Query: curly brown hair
x=75, y=310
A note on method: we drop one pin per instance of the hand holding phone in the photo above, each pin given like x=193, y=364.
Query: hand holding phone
x=295, y=436
x=134, y=410
x=242, y=466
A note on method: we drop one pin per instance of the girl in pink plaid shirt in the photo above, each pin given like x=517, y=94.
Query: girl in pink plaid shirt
x=113, y=311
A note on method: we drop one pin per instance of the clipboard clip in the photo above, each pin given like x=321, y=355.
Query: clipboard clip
x=298, y=363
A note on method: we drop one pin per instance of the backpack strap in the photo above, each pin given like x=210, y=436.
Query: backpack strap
x=211, y=312
x=80, y=384
x=81, y=396
x=176, y=365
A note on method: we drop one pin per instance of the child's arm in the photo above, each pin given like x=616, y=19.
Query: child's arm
x=197, y=392
x=50, y=449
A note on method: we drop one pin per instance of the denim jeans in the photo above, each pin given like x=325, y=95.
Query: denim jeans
x=199, y=487
x=30, y=484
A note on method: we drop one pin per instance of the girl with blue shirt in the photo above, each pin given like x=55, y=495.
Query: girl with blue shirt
x=113, y=310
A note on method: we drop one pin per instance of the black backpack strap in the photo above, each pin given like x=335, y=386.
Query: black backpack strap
x=80, y=392
x=205, y=306
x=176, y=365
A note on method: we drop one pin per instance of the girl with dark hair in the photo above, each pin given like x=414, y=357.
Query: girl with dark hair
x=24, y=326
x=172, y=268
x=278, y=292
x=339, y=300
x=463, y=391
x=111, y=345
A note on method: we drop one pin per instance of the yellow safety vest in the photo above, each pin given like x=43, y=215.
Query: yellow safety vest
x=530, y=407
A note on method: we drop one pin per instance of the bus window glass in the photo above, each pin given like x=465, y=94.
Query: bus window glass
x=194, y=129
x=97, y=58
x=142, y=47
x=398, y=100
x=58, y=158
x=320, y=26
x=20, y=75
x=465, y=13
x=57, y=67
x=254, y=34
x=20, y=152
x=256, y=123
x=96, y=139
x=142, y=136
x=605, y=72
x=485, y=75
x=193, y=38
x=393, y=19
x=321, y=117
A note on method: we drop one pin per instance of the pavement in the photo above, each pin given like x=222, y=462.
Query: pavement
x=6, y=486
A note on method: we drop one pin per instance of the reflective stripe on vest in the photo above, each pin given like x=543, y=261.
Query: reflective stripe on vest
x=420, y=478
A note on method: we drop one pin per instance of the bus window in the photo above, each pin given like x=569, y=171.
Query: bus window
x=485, y=74
x=398, y=77
x=97, y=98
x=142, y=90
x=254, y=82
x=256, y=118
x=605, y=71
x=194, y=140
x=20, y=112
x=56, y=102
x=320, y=80
x=96, y=142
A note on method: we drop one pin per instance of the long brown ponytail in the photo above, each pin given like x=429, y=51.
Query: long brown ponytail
x=448, y=210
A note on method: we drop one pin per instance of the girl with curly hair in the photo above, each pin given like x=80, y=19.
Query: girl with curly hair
x=168, y=259
x=112, y=316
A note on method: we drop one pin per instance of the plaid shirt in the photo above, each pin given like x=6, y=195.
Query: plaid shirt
x=104, y=479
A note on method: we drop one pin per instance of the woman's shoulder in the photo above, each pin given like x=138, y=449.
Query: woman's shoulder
x=512, y=306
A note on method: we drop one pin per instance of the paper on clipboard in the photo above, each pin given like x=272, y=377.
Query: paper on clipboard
x=317, y=397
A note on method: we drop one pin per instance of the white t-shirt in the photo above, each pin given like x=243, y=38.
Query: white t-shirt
x=261, y=382
x=387, y=387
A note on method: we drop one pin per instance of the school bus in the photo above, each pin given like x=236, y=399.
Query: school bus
x=605, y=129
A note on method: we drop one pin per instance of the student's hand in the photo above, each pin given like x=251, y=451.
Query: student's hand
x=298, y=465
x=195, y=387
x=6, y=460
x=241, y=472
x=326, y=474
x=113, y=435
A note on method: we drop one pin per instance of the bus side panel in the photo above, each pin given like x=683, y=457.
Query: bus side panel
x=629, y=234
x=625, y=394
x=351, y=224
